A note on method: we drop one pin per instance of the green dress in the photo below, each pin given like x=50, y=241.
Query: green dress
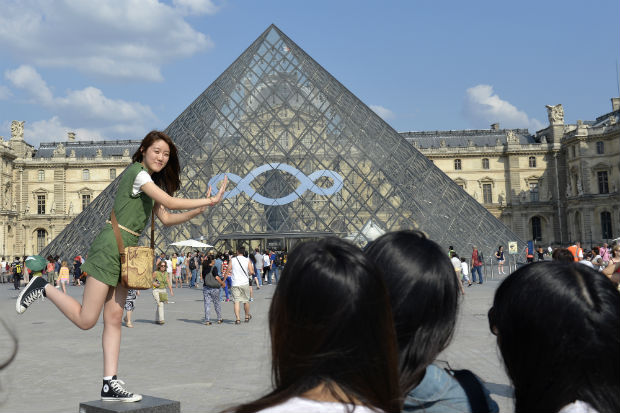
x=133, y=212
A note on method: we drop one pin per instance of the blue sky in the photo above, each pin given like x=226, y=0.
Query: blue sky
x=116, y=69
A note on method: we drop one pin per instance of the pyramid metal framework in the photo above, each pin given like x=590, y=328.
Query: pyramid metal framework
x=305, y=159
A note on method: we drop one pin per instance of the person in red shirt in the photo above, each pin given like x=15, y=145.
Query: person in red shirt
x=476, y=265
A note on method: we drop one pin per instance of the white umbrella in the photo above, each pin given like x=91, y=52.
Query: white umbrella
x=191, y=243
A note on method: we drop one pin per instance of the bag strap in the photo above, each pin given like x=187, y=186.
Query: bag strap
x=473, y=390
x=244, y=271
x=117, y=232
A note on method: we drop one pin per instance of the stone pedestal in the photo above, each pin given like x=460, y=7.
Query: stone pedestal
x=148, y=404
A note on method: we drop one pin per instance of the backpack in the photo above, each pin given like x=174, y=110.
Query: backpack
x=18, y=269
x=480, y=256
x=192, y=263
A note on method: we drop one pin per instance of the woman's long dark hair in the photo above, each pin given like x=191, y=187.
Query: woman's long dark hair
x=331, y=324
x=558, y=328
x=424, y=294
x=168, y=178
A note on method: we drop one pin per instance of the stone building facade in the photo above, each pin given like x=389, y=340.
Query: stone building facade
x=559, y=185
x=556, y=186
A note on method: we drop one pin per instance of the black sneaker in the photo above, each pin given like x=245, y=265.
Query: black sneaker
x=113, y=390
x=33, y=291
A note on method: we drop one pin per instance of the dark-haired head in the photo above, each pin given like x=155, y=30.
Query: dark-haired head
x=562, y=255
x=168, y=178
x=424, y=294
x=558, y=328
x=331, y=326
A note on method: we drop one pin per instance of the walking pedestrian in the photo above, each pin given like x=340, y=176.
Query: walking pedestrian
x=477, y=260
x=212, y=282
x=130, y=306
x=241, y=271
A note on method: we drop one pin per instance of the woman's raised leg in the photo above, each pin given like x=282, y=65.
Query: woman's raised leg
x=83, y=315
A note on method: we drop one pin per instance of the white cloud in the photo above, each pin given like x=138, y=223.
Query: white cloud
x=196, y=6
x=384, y=113
x=27, y=78
x=129, y=39
x=91, y=113
x=483, y=107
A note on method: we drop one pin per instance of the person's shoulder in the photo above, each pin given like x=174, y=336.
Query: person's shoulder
x=299, y=404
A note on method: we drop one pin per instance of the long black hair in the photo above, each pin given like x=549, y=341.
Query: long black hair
x=558, y=328
x=331, y=325
x=424, y=293
x=168, y=178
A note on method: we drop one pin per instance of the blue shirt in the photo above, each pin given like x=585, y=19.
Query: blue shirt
x=439, y=392
x=218, y=265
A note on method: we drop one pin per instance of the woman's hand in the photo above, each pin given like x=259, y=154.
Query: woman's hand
x=218, y=197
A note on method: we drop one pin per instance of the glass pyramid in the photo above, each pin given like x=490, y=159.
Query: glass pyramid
x=305, y=159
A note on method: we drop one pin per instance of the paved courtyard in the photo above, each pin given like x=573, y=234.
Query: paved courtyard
x=206, y=368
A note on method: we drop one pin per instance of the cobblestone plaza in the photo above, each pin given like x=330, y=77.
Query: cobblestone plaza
x=207, y=368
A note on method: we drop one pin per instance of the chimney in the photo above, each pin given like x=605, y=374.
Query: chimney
x=495, y=126
x=615, y=104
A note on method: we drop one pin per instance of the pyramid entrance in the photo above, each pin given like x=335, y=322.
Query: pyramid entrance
x=305, y=159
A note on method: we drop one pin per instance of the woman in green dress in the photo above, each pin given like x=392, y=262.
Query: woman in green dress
x=148, y=183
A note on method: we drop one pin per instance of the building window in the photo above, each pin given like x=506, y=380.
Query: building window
x=487, y=193
x=41, y=238
x=485, y=163
x=462, y=186
x=112, y=174
x=41, y=204
x=532, y=161
x=600, y=148
x=41, y=175
x=536, y=229
x=603, y=186
x=457, y=164
x=574, y=149
x=534, y=192
x=606, y=225
x=85, y=201
x=85, y=175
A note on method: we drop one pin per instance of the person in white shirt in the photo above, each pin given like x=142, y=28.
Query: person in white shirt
x=333, y=345
x=241, y=273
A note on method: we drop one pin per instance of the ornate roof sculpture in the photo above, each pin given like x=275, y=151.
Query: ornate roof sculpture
x=305, y=158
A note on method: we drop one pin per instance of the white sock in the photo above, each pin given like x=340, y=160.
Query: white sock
x=108, y=378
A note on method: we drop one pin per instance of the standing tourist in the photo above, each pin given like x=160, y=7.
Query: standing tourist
x=50, y=269
x=499, y=256
x=77, y=270
x=160, y=282
x=147, y=184
x=212, y=282
x=193, y=269
x=63, y=276
x=130, y=306
x=18, y=270
x=241, y=271
x=267, y=267
x=259, y=265
x=476, y=265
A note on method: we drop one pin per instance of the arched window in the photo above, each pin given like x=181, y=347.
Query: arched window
x=485, y=163
x=85, y=175
x=532, y=161
x=606, y=225
x=536, y=229
x=41, y=239
x=457, y=164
